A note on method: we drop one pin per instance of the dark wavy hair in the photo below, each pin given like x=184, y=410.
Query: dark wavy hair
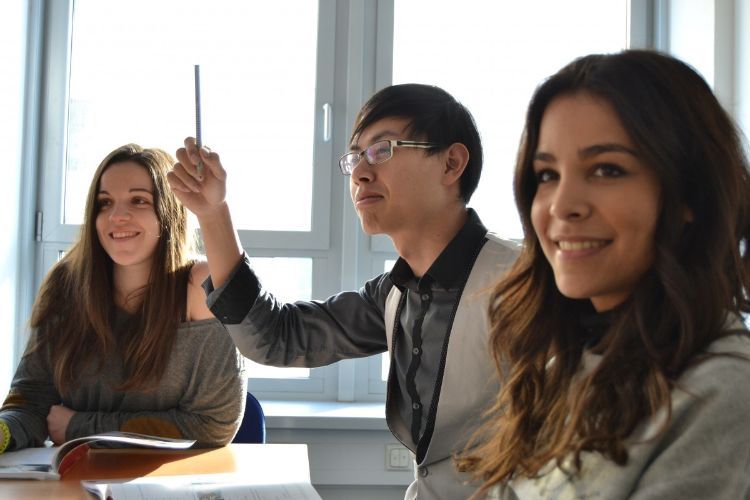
x=73, y=310
x=700, y=275
x=433, y=114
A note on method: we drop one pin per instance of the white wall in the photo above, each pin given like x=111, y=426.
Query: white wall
x=742, y=65
x=348, y=464
x=12, y=50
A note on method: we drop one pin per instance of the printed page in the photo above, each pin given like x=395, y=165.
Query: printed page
x=41, y=455
x=127, y=439
x=29, y=463
x=201, y=487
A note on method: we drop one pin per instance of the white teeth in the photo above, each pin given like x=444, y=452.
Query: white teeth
x=128, y=234
x=581, y=245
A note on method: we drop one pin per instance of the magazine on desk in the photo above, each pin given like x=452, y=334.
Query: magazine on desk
x=54, y=462
x=199, y=487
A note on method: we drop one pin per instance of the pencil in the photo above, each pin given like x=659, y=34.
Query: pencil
x=198, y=139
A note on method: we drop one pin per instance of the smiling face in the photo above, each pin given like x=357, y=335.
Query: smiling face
x=597, y=203
x=403, y=194
x=126, y=222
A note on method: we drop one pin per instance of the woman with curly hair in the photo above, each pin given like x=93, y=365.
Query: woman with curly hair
x=618, y=333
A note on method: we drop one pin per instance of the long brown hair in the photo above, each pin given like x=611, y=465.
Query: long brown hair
x=547, y=411
x=73, y=311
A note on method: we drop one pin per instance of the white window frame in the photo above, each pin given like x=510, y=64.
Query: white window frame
x=56, y=236
x=355, y=44
x=643, y=19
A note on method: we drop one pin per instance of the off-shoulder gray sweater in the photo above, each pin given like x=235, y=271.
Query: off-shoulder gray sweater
x=201, y=395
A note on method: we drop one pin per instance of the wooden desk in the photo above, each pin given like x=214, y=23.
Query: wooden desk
x=287, y=462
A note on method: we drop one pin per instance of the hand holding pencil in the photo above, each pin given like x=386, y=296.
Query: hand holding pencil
x=201, y=193
x=198, y=134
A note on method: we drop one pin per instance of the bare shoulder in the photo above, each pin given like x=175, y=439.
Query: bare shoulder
x=196, y=297
x=199, y=272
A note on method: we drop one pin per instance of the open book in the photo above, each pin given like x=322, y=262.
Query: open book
x=202, y=486
x=52, y=463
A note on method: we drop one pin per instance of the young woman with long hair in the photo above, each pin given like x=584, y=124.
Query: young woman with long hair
x=121, y=336
x=618, y=333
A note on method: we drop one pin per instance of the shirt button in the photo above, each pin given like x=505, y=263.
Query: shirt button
x=416, y=351
x=425, y=296
x=416, y=406
x=423, y=471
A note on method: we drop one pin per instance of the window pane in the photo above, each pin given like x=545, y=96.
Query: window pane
x=290, y=279
x=491, y=56
x=131, y=80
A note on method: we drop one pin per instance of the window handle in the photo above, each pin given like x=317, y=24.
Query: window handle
x=327, y=122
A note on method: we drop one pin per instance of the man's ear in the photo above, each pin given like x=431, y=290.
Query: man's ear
x=456, y=159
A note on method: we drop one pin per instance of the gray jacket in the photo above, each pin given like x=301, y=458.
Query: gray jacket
x=440, y=375
x=468, y=384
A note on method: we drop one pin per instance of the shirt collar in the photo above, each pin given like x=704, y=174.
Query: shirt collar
x=455, y=259
x=596, y=324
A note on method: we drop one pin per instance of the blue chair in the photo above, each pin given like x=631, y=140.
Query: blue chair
x=253, y=426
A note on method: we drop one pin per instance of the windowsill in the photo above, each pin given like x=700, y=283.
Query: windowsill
x=368, y=416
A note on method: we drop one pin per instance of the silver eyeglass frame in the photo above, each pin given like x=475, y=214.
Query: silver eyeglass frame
x=349, y=160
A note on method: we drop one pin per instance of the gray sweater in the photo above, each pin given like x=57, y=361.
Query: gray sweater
x=201, y=395
x=704, y=453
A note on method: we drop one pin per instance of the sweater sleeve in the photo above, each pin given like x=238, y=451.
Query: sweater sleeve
x=706, y=451
x=303, y=333
x=210, y=404
x=32, y=393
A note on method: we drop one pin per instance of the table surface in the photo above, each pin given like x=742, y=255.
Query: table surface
x=284, y=463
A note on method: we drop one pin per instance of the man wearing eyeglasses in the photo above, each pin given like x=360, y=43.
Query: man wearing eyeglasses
x=414, y=160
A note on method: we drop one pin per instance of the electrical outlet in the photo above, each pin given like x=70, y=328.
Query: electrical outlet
x=397, y=457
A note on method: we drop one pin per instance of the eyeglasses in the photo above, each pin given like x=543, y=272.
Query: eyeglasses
x=379, y=152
